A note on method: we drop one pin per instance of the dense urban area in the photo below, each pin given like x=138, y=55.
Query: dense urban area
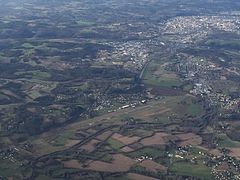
x=119, y=89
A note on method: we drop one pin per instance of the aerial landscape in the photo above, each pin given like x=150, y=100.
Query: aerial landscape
x=119, y=89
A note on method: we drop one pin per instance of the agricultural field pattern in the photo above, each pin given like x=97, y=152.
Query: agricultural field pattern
x=119, y=89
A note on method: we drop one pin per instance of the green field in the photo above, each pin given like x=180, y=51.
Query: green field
x=9, y=169
x=62, y=138
x=155, y=74
x=35, y=75
x=84, y=23
x=194, y=109
x=225, y=142
x=197, y=170
x=235, y=43
x=189, y=106
x=116, y=145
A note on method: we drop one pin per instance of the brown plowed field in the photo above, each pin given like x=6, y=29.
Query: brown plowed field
x=189, y=139
x=156, y=139
x=153, y=166
x=125, y=139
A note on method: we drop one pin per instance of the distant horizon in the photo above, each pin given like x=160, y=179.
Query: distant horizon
x=119, y=90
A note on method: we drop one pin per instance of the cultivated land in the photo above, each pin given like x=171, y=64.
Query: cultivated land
x=119, y=89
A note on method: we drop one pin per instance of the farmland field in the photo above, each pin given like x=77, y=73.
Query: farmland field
x=119, y=90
